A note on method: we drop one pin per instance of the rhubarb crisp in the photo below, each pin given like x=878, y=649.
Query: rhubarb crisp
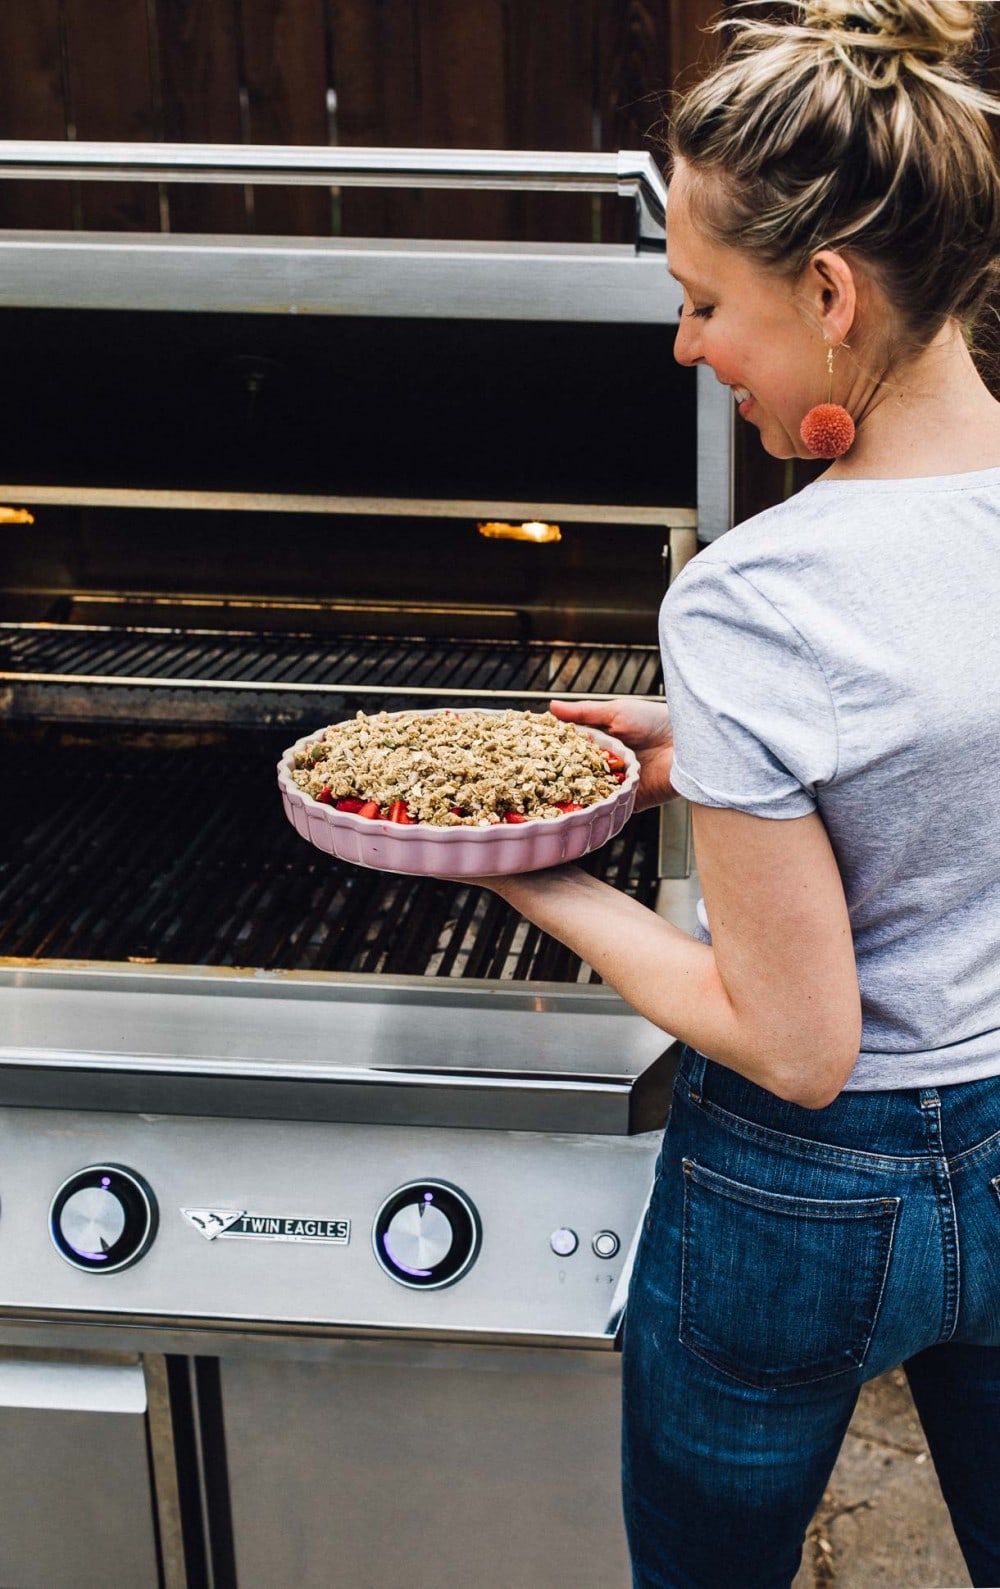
x=457, y=769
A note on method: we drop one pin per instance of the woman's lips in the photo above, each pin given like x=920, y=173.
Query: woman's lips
x=743, y=399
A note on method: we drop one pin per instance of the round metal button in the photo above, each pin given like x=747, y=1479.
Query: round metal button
x=426, y=1235
x=103, y=1218
x=419, y=1237
x=605, y=1244
x=92, y=1221
x=564, y=1242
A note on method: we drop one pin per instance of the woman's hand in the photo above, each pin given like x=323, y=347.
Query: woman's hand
x=644, y=726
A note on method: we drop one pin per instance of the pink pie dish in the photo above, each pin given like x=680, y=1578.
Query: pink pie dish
x=421, y=850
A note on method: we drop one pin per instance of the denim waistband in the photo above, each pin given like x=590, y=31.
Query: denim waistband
x=892, y=1123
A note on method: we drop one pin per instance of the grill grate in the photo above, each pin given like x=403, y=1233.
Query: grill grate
x=352, y=664
x=179, y=852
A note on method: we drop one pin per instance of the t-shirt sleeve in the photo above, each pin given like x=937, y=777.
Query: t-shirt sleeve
x=754, y=722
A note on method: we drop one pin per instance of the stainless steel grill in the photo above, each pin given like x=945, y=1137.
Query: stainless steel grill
x=318, y=1187
x=179, y=853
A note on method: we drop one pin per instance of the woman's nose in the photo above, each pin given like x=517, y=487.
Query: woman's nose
x=686, y=342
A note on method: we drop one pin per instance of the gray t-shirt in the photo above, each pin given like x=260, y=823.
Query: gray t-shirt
x=841, y=653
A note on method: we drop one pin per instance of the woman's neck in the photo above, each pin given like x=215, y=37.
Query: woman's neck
x=932, y=416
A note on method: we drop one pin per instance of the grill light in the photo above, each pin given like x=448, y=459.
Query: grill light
x=16, y=516
x=534, y=530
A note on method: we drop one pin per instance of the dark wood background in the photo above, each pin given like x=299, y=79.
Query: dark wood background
x=491, y=74
x=504, y=74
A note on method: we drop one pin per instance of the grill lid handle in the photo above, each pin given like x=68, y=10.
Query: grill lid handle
x=629, y=173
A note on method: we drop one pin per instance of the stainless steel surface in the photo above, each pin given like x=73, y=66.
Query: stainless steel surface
x=286, y=1045
x=163, y=1465
x=446, y=1469
x=715, y=456
x=52, y=1386
x=310, y=1410
x=323, y=275
x=75, y=1507
x=630, y=172
x=675, y=846
x=92, y=1219
x=240, y=1201
x=379, y=507
x=676, y=853
x=574, y=282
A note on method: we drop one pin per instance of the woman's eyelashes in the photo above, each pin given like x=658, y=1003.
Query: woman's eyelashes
x=704, y=313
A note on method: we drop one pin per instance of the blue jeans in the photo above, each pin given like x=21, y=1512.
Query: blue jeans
x=789, y=1255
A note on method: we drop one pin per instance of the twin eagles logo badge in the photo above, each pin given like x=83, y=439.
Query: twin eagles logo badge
x=214, y=1223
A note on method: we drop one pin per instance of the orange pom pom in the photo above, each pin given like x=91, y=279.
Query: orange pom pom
x=827, y=430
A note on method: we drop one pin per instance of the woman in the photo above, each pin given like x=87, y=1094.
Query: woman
x=827, y=1203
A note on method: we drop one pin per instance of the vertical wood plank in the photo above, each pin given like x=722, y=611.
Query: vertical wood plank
x=463, y=72
x=200, y=86
x=693, y=43
x=111, y=98
x=376, y=73
x=635, y=68
x=286, y=76
x=32, y=106
x=551, y=60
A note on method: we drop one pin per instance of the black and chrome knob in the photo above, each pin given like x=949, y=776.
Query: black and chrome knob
x=103, y=1218
x=427, y=1235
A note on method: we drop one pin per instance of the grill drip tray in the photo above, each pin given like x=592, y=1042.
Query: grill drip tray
x=173, y=848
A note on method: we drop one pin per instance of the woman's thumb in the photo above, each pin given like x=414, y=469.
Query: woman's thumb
x=593, y=712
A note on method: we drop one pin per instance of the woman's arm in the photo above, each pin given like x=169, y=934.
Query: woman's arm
x=774, y=996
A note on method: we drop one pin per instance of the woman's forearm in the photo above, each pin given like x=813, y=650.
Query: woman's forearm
x=662, y=972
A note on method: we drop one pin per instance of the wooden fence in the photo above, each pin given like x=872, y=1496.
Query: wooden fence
x=503, y=74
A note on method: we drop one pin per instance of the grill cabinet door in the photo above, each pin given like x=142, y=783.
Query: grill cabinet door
x=75, y=1494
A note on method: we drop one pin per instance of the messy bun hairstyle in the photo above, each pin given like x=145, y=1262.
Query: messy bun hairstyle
x=853, y=126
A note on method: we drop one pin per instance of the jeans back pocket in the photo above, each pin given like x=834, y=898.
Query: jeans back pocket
x=780, y=1290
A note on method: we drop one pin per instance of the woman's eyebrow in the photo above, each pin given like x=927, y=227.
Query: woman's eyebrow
x=685, y=281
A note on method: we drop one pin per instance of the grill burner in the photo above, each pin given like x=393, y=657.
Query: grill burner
x=177, y=851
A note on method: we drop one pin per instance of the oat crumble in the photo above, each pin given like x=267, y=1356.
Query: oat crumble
x=469, y=769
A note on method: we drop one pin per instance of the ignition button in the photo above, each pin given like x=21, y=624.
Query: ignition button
x=605, y=1244
x=564, y=1242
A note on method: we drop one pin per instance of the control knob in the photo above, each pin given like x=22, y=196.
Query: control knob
x=427, y=1235
x=103, y=1218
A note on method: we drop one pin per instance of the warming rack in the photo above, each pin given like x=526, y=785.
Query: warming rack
x=83, y=655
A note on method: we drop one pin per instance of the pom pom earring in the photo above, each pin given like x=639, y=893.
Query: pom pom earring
x=828, y=429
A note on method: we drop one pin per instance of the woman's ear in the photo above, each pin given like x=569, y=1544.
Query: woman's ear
x=829, y=289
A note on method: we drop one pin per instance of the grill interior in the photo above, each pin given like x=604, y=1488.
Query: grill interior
x=156, y=659
x=117, y=846
x=358, y=664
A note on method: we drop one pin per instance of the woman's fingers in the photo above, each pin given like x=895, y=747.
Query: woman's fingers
x=596, y=713
x=641, y=724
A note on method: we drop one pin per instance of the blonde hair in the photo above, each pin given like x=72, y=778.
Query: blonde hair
x=853, y=126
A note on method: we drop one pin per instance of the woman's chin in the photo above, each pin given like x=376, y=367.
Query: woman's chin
x=776, y=441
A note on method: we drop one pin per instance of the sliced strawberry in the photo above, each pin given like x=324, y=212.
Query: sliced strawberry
x=514, y=816
x=399, y=813
x=324, y=797
x=369, y=809
x=350, y=804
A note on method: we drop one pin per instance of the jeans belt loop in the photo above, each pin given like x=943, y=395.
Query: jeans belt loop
x=695, y=1071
